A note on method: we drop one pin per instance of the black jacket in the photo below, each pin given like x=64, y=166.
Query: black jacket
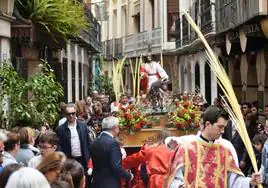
x=64, y=136
x=235, y=140
x=107, y=158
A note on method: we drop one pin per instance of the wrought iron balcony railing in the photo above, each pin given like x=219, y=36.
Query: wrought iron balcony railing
x=185, y=31
x=232, y=13
x=178, y=33
x=118, y=47
x=94, y=34
x=207, y=22
x=136, y=45
x=110, y=49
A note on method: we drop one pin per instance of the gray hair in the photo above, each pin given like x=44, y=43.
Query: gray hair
x=3, y=136
x=22, y=179
x=109, y=123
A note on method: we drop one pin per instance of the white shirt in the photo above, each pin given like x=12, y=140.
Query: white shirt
x=35, y=161
x=114, y=107
x=75, y=141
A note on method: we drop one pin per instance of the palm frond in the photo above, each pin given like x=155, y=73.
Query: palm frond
x=231, y=104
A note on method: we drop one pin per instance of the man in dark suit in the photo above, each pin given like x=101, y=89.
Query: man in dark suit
x=73, y=137
x=106, y=157
x=231, y=134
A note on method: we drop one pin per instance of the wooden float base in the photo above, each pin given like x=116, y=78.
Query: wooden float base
x=140, y=137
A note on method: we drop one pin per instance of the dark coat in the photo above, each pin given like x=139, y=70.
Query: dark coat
x=107, y=158
x=235, y=140
x=64, y=136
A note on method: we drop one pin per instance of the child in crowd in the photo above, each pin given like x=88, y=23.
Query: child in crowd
x=258, y=144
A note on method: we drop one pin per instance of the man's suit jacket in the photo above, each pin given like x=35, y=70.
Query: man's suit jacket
x=64, y=136
x=235, y=140
x=107, y=158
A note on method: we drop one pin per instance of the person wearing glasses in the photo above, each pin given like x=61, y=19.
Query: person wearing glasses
x=73, y=137
x=47, y=145
x=51, y=166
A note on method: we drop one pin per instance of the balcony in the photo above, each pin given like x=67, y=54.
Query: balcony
x=110, y=49
x=118, y=47
x=92, y=37
x=207, y=21
x=139, y=44
x=87, y=39
x=194, y=10
x=178, y=33
x=103, y=49
x=232, y=13
x=185, y=31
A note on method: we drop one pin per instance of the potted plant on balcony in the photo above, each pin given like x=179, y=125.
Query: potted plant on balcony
x=64, y=18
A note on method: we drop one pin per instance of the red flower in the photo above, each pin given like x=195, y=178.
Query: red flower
x=186, y=104
x=180, y=113
x=189, y=121
x=138, y=126
x=128, y=116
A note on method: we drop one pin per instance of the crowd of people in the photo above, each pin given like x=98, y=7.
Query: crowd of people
x=84, y=149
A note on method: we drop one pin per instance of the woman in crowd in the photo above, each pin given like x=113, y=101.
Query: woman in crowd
x=31, y=134
x=51, y=166
x=12, y=146
x=25, y=153
x=81, y=113
x=73, y=168
x=27, y=177
x=97, y=111
x=61, y=184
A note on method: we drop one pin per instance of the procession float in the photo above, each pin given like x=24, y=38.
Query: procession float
x=155, y=109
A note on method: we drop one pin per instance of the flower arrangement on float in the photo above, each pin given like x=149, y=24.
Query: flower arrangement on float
x=132, y=119
x=184, y=115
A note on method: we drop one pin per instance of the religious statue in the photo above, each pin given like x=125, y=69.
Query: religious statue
x=153, y=78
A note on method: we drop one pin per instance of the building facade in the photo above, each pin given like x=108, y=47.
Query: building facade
x=134, y=28
x=195, y=75
x=6, y=17
x=238, y=37
x=242, y=31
